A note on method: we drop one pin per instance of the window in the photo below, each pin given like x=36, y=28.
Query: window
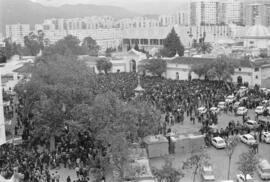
x=256, y=69
x=256, y=77
x=251, y=42
x=239, y=69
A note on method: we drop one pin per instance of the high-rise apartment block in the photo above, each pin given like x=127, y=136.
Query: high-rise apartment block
x=17, y=32
x=257, y=12
x=233, y=11
x=209, y=12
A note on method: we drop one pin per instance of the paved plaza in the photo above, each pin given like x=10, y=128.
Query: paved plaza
x=219, y=158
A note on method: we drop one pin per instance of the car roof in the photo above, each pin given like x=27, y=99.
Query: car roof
x=248, y=176
x=264, y=164
x=218, y=138
x=207, y=168
x=241, y=107
x=249, y=136
x=260, y=106
x=251, y=121
x=266, y=133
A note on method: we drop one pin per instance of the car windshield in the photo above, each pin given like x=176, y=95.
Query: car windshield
x=208, y=172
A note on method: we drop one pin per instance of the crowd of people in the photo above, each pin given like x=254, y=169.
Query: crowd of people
x=176, y=99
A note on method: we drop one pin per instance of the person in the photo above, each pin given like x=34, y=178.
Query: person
x=68, y=179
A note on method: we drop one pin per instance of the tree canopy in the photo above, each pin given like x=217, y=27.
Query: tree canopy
x=155, y=66
x=104, y=65
x=91, y=46
x=221, y=69
x=172, y=45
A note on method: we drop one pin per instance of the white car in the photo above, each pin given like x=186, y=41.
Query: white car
x=230, y=99
x=248, y=139
x=222, y=105
x=265, y=102
x=268, y=109
x=266, y=137
x=265, y=90
x=214, y=110
x=241, y=178
x=251, y=124
x=207, y=173
x=218, y=142
x=260, y=110
x=264, y=169
x=202, y=110
x=241, y=111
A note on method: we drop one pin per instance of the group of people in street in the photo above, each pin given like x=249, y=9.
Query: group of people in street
x=176, y=99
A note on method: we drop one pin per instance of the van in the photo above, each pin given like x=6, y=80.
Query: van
x=264, y=169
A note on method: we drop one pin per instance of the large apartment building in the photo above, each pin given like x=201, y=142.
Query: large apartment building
x=233, y=11
x=209, y=12
x=17, y=32
x=257, y=13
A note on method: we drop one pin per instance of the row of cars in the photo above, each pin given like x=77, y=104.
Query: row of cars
x=248, y=139
x=263, y=170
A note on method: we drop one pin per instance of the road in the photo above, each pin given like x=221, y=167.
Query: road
x=219, y=158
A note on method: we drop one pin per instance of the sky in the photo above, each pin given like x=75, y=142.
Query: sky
x=140, y=6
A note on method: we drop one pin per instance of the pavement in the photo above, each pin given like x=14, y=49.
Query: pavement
x=219, y=158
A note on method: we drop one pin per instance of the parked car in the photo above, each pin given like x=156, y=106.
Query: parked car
x=202, y=110
x=229, y=99
x=241, y=111
x=266, y=137
x=236, y=105
x=207, y=173
x=264, y=169
x=248, y=139
x=214, y=110
x=241, y=178
x=218, y=142
x=222, y=105
x=251, y=124
x=260, y=110
x=264, y=120
x=268, y=110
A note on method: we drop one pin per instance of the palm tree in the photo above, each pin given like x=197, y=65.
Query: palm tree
x=204, y=48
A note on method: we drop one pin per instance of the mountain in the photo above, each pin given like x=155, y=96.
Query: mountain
x=25, y=11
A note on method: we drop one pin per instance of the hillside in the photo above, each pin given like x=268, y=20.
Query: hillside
x=25, y=11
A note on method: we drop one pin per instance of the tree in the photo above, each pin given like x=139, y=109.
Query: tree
x=54, y=83
x=196, y=162
x=172, y=45
x=104, y=65
x=92, y=46
x=231, y=145
x=155, y=66
x=109, y=52
x=10, y=49
x=168, y=173
x=204, y=47
x=69, y=45
x=224, y=68
x=247, y=163
x=200, y=69
x=32, y=42
x=136, y=47
x=128, y=47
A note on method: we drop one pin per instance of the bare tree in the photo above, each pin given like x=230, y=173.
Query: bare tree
x=196, y=162
x=231, y=145
x=247, y=163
